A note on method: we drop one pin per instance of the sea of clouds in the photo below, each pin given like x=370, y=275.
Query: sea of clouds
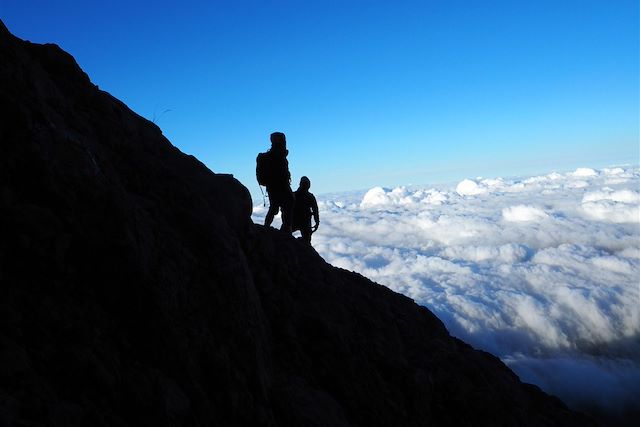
x=542, y=271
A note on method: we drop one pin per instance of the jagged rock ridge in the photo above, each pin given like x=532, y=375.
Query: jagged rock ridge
x=135, y=290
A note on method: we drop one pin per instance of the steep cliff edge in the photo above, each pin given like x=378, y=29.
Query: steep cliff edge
x=135, y=290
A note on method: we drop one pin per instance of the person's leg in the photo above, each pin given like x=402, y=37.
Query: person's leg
x=306, y=234
x=287, y=210
x=273, y=208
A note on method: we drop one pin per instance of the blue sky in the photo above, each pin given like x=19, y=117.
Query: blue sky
x=369, y=93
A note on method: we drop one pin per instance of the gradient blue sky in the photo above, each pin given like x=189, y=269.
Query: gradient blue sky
x=368, y=92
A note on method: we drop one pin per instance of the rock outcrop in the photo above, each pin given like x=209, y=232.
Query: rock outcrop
x=135, y=290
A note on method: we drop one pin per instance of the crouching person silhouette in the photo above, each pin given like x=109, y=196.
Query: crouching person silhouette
x=304, y=208
x=273, y=172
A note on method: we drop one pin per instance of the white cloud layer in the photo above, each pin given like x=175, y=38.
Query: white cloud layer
x=523, y=213
x=544, y=271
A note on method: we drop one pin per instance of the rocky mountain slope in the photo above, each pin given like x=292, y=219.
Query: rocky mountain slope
x=135, y=290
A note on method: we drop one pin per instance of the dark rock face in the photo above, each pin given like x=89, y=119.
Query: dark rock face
x=135, y=290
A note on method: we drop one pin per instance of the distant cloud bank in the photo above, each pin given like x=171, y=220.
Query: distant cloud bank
x=542, y=271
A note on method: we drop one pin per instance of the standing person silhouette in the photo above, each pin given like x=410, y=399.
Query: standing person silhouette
x=279, y=185
x=305, y=207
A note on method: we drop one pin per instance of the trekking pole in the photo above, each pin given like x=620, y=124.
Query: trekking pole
x=264, y=201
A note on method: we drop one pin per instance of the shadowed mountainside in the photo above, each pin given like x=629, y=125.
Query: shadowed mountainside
x=135, y=290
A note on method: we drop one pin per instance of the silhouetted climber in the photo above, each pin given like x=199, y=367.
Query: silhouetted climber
x=304, y=208
x=272, y=171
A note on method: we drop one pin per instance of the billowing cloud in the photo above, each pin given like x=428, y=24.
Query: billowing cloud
x=584, y=172
x=542, y=271
x=523, y=213
x=469, y=187
x=607, y=204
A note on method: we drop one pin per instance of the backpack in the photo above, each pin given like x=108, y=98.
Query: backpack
x=264, y=172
